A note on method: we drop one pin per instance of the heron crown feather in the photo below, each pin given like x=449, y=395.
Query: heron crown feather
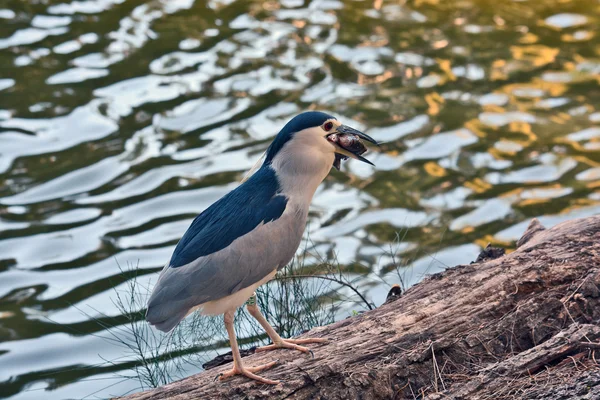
x=305, y=120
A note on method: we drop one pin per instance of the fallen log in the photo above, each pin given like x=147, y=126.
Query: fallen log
x=522, y=326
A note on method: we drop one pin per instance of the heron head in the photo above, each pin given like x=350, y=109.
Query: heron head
x=313, y=138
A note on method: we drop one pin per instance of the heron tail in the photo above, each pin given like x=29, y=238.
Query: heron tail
x=164, y=321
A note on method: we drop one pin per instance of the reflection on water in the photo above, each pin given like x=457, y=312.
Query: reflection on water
x=121, y=120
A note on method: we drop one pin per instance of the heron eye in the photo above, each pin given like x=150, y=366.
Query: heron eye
x=328, y=126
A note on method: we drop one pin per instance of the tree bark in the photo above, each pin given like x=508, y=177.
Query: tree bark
x=522, y=326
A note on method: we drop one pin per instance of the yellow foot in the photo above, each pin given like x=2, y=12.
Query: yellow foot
x=292, y=344
x=248, y=372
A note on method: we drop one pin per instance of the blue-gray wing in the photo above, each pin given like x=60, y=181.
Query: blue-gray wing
x=248, y=260
x=235, y=243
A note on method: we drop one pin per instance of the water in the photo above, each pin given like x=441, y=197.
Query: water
x=120, y=121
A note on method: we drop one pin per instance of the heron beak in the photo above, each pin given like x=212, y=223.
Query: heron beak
x=352, y=131
x=347, y=144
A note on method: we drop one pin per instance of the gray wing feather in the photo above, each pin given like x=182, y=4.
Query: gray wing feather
x=249, y=259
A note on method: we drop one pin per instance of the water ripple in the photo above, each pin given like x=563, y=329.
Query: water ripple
x=120, y=121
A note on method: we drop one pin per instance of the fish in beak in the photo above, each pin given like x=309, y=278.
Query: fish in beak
x=347, y=142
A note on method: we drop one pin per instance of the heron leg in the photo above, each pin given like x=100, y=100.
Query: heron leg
x=238, y=366
x=278, y=341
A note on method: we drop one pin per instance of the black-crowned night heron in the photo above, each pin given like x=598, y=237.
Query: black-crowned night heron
x=242, y=240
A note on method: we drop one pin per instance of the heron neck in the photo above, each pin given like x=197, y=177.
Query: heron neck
x=300, y=168
x=300, y=186
x=300, y=189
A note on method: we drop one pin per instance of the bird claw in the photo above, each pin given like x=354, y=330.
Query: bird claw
x=248, y=372
x=292, y=344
